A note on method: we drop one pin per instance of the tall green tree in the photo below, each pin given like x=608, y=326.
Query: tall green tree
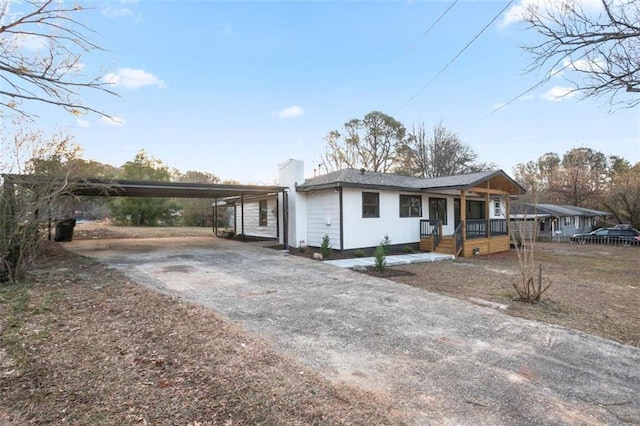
x=372, y=142
x=144, y=211
x=196, y=211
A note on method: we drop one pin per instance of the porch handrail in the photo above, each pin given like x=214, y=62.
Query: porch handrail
x=458, y=237
x=431, y=229
x=437, y=227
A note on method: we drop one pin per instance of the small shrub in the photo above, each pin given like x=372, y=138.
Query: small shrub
x=325, y=247
x=386, y=245
x=358, y=253
x=302, y=249
x=381, y=258
x=407, y=249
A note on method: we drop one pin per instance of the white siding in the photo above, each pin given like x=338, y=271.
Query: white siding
x=323, y=217
x=368, y=232
x=252, y=219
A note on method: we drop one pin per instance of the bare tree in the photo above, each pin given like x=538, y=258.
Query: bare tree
x=372, y=142
x=623, y=197
x=439, y=154
x=42, y=43
x=596, y=48
x=37, y=179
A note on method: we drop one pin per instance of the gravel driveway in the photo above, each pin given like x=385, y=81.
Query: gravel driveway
x=441, y=360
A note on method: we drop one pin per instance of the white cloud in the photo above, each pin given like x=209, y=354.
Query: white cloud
x=82, y=123
x=31, y=42
x=558, y=93
x=130, y=78
x=112, y=121
x=116, y=12
x=290, y=112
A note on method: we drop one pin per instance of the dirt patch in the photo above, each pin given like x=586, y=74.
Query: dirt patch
x=80, y=344
x=105, y=230
x=593, y=289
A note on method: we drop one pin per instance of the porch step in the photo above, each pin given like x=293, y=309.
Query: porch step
x=447, y=245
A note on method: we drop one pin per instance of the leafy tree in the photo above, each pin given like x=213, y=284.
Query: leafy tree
x=440, y=153
x=196, y=211
x=372, y=143
x=594, y=47
x=144, y=211
x=42, y=43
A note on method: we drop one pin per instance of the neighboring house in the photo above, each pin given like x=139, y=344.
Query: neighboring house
x=464, y=214
x=557, y=220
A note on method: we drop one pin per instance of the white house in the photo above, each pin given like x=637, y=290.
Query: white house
x=464, y=214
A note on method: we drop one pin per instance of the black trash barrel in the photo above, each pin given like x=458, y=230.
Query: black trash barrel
x=64, y=230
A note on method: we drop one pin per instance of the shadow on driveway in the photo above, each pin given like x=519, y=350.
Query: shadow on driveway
x=438, y=359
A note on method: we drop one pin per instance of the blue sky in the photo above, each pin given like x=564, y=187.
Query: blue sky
x=234, y=88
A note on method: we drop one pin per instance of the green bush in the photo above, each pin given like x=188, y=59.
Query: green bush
x=386, y=245
x=381, y=258
x=325, y=247
x=302, y=249
x=358, y=253
x=407, y=249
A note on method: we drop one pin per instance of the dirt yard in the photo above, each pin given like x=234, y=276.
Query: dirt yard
x=80, y=344
x=595, y=289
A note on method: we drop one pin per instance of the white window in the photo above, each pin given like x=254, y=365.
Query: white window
x=577, y=219
x=569, y=221
x=497, y=208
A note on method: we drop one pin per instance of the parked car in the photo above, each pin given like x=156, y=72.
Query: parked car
x=609, y=236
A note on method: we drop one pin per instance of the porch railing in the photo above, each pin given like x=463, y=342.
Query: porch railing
x=431, y=229
x=477, y=228
x=499, y=227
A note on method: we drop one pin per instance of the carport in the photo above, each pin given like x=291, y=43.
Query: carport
x=139, y=188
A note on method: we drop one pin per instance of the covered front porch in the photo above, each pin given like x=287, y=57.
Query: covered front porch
x=481, y=220
x=470, y=238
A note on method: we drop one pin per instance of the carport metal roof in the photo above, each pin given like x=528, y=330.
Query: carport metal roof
x=138, y=188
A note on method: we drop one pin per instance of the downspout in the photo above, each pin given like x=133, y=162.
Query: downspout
x=285, y=219
x=341, y=221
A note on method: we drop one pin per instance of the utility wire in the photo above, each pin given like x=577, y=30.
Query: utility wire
x=430, y=28
x=538, y=84
x=458, y=54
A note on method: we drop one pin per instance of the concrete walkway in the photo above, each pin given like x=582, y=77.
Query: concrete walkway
x=394, y=260
x=437, y=359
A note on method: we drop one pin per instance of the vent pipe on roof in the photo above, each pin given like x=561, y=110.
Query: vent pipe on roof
x=362, y=170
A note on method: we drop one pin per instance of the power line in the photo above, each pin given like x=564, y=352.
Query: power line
x=538, y=84
x=430, y=28
x=458, y=54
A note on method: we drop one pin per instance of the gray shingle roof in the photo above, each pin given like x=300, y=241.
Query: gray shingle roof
x=356, y=178
x=554, y=210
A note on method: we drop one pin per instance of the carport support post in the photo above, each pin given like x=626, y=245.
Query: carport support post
x=215, y=215
x=242, y=215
